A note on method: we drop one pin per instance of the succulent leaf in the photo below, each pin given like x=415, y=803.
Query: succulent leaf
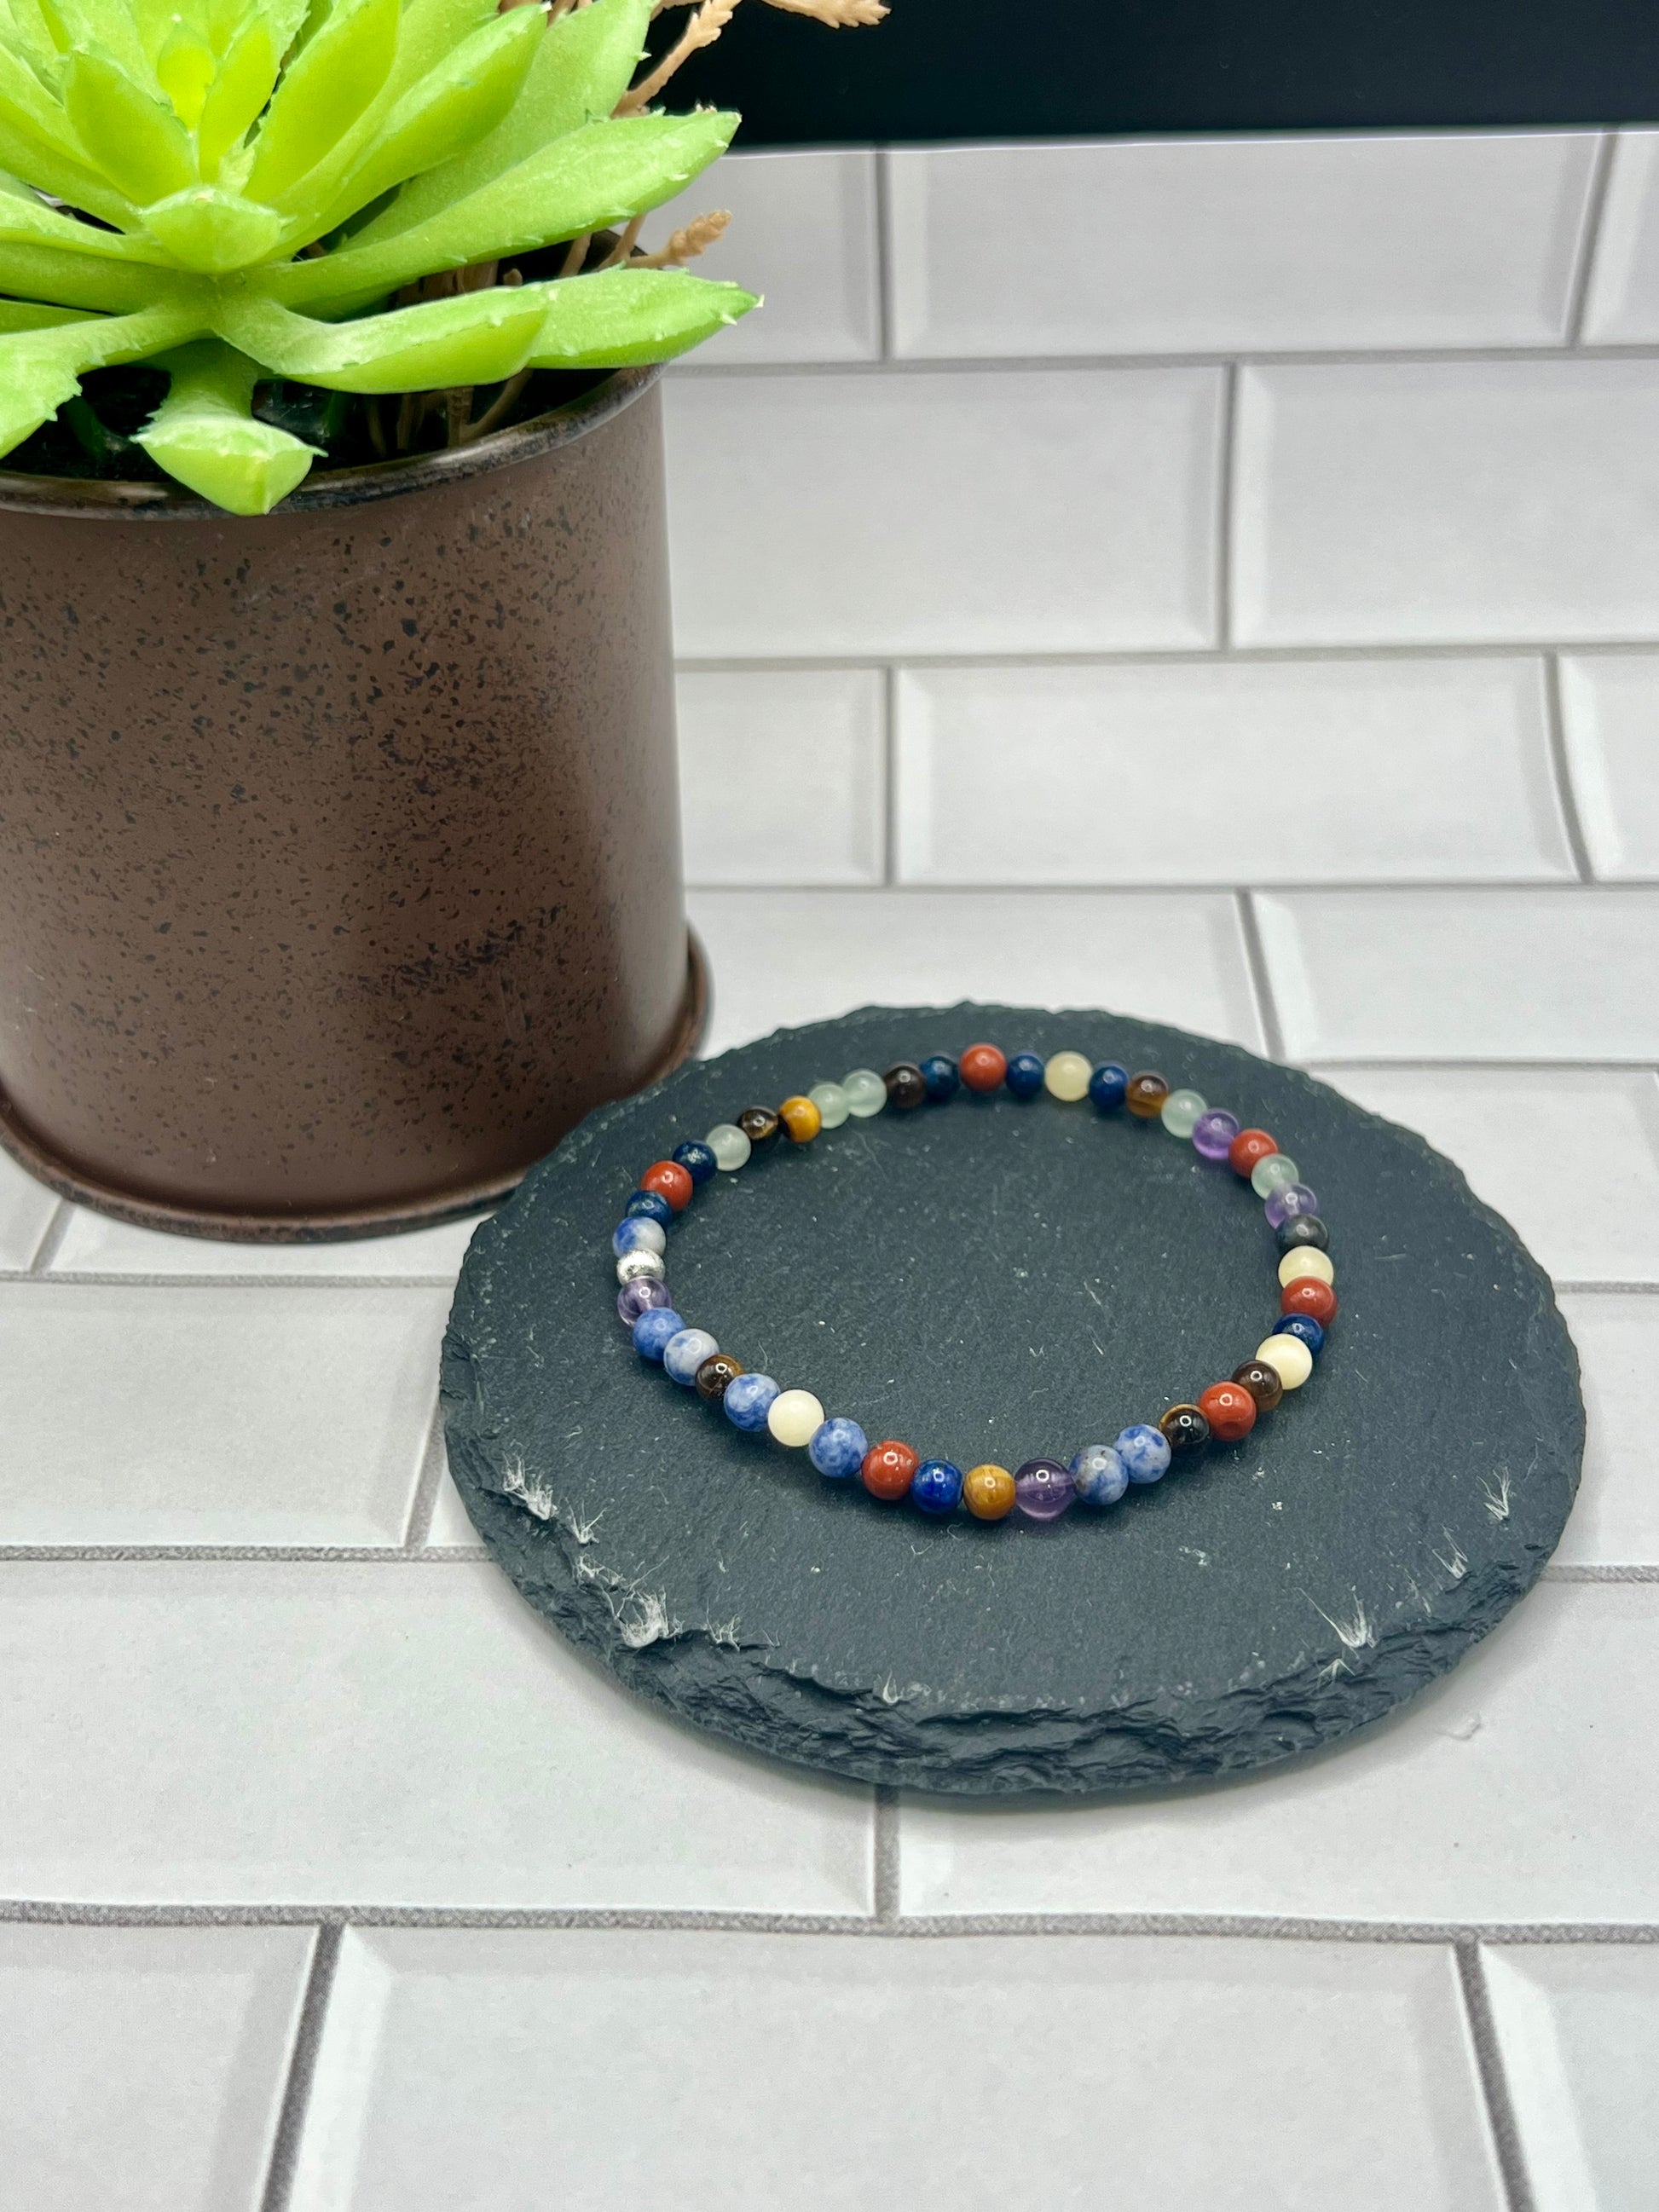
x=40, y=369
x=206, y=435
x=213, y=231
x=622, y=317
x=133, y=136
x=238, y=94
x=479, y=338
x=23, y=315
x=338, y=72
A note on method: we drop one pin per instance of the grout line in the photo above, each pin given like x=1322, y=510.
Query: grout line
x=1645, y=1289
x=302, y=2067
x=1134, y=886
x=885, y=1855
x=1494, y=2084
x=1255, y=961
x=1555, y=731
x=890, y=771
x=434, y=1462
x=1570, y=1573
x=1226, y=490
x=885, y=320
x=1250, y=655
x=1061, y=364
x=51, y=1238
x=1588, y=242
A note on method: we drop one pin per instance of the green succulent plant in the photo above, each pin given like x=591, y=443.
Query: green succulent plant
x=240, y=192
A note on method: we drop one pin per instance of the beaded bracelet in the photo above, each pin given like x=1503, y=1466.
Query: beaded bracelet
x=1042, y=1489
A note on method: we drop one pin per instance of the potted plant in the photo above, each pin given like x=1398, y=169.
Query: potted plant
x=339, y=860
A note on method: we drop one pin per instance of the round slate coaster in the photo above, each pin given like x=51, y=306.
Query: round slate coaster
x=994, y=1280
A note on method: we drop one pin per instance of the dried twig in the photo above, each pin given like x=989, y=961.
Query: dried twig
x=698, y=235
x=376, y=427
x=624, y=245
x=457, y=413
x=839, y=15
x=498, y=409
x=705, y=27
x=577, y=255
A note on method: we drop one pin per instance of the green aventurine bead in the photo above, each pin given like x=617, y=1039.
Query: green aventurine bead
x=867, y=1094
x=1274, y=1174
x=729, y=1145
x=832, y=1105
x=1181, y=1111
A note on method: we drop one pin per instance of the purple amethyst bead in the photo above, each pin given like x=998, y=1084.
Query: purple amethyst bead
x=1295, y=1197
x=1043, y=1489
x=1213, y=1133
x=640, y=1296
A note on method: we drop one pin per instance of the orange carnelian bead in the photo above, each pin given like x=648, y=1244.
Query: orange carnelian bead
x=888, y=1469
x=1249, y=1146
x=989, y=1492
x=1308, y=1295
x=801, y=1120
x=982, y=1068
x=1230, y=1410
x=670, y=1181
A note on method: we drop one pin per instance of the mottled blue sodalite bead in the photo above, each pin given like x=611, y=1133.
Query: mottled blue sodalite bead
x=837, y=1449
x=1144, y=1453
x=683, y=1354
x=1305, y=1326
x=748, y=1401
x=637, y=1232
x=655, y=1330
x=696, y=1158
x=647, y=1206
x=936, y=1487
x=1100, y=1476
x=1109, y=1086
x=1024, y=1076
x=940, y=1076
x=640, y=1295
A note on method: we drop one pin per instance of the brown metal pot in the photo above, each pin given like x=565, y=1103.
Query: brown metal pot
x=339, y=850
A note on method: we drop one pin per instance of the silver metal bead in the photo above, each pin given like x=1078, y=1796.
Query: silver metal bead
x=633, y=1265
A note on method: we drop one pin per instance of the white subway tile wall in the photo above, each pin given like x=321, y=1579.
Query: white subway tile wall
x=1218, y=579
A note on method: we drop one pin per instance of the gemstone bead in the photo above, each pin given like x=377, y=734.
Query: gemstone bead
x=937, y=1486
x=655, y=1331
x=683, y=1354
x=1290, y=1197
x=670, y=1181
x=889, y=1469
x=1043, y=1489
x=1099, y=1474
x=1230, y=1410
x=716, y=1375
x=794, y=1418
x=760, y=1125
x=1144, y=1451
x=837, y=1449
x=1213, y=1133
x=867, y=1094
x=906, y=1086
x=729, y=1145
x=1289, y=1357
x=1181, y=1113
x=649, y=1206
x=1109, y=1086
x=1262, y=1382
x=832, y=1105
x=1249, y=1146
x=1306, y=1261
x=1183, y=1428
x=634, y=1233
x=982, y=1068
x=641, y=1297
x=1303, y=1232
x=1065, y=1077
x=695, y=1156
x=1025, y=1075
x=1276, y=1172
x=1308, y=1295
x=633, y=1265
x=801, y=1120
x=940, y=1073
x=1305, y=1326
x=1145, y=1094
x=988, y=1491
x=748, y=1401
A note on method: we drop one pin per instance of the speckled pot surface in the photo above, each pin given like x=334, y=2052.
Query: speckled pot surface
x=339, y=849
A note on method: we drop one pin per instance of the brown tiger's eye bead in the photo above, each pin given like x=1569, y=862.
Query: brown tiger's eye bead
x=801, y=1120
x=715, y=1372
x=1263, y=1382
x=1145, y=1094
x=1183, y=1428
x=760, y=1125
x=988, y=1491
x=907, y=1086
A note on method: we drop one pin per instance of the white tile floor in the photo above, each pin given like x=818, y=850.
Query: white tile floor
x=1310, y=703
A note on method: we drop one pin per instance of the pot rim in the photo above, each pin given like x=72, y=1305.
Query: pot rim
x=102, y=499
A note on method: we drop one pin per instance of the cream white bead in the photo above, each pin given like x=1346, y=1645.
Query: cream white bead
x=729, y=1145
x=832, y=1104
x=795, y=1417
x=1289, y=1357
x=867, y=1094
x=632, y=1266
x=1306, y=1260
x=1066, y=1076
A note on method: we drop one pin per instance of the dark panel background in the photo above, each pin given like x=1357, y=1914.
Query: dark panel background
x=995, y=68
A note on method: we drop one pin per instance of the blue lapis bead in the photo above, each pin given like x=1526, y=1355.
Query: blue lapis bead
x=941, y=1076
x=1100, y=1474
x=646, y=1205
x=696, y=1158
x=637, y=1232
x=1145, y=1452
x=1109, y=1086
x=1024, y=1076
x=1305, y=1326
x=837, y=1449
x=654, y=1331
x=748, y=1401
x=936, y=1487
